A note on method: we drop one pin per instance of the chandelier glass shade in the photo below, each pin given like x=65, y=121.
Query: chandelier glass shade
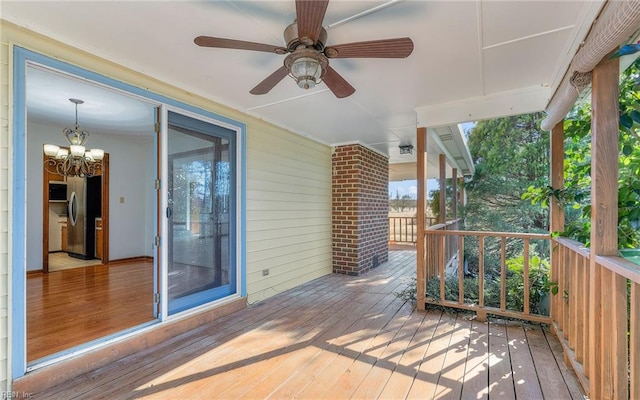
x=74, y=160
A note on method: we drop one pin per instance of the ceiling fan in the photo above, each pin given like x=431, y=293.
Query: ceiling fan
x=308, y=61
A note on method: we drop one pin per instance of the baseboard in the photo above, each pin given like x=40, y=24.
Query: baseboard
x=47, y=377
x=131, y=259
x=35, y=272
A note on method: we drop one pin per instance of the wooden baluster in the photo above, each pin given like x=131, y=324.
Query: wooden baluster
x=525, y=276
x=441, y=261
x=461, y=269
x=556, y=249
x=413, y=234
x=503, y=273
x=481, y=271
x=585, y=314
x=392, y=229
x=614, y=335
x=579, y=326
x=572, y=276
x=566, y=294
x=560, y=298
x=634, y=345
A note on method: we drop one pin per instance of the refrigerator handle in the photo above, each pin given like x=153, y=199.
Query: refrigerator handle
x=73, y=209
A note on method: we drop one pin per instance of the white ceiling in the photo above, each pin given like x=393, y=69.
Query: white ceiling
x=472, y=59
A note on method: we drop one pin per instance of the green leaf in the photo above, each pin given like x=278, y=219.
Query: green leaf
x=627, y=149
x=635, y=115
x=626, y=121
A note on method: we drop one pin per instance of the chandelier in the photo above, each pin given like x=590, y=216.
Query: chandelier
x=75, y=160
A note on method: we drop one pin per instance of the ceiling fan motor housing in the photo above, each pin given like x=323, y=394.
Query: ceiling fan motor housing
x=293, y=41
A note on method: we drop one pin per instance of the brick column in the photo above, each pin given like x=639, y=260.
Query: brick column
x=360, y=209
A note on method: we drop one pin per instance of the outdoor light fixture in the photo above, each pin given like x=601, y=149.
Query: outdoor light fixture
x=306, y=67
x=76, y=160
x=406, y=149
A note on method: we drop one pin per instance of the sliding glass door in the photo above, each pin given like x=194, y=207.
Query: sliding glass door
x=200, y=212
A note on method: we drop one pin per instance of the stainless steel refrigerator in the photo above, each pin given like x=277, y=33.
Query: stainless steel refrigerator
x=85, y=205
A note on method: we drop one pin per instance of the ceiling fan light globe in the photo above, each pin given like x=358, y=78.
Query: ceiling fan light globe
x=305, y=67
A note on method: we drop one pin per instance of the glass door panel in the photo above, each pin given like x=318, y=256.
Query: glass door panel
x=200, y=215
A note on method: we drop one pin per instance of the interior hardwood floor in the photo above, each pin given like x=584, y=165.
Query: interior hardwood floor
x=71, y=307
x=340, y=337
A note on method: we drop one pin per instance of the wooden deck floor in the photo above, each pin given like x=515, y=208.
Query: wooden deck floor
x=340, y=337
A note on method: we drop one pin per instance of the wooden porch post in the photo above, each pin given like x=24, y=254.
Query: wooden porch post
x=607, y=358
x=454, y=193
x=421, y=210
x=442, y=217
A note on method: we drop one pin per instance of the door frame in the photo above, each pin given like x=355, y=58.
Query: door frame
x=104, y=195
x=21, y=58
x=240, y=201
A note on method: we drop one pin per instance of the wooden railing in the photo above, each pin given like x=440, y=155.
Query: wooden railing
x=441, y=251
x=443, y=244
x=405, y=229
x=597, y=319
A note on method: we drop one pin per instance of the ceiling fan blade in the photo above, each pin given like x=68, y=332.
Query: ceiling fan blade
x=270, y=81
x=310, y=14
x=385, y=48
x=337, y=84
x=209, y=41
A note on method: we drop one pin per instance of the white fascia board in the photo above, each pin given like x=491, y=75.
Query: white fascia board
x=513, y=102
x=458, y=136
x=446, y=148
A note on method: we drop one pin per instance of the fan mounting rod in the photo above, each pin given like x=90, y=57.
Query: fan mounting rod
x=293, y=41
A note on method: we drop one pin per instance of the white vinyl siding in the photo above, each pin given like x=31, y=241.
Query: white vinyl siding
x=288, y=186
x=288, y=211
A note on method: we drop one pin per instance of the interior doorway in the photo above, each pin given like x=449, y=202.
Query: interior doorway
x=59, y=228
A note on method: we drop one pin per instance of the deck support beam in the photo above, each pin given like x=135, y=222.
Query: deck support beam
x=607, y=358
x=421, y=213
x=454, y=193
x=442, y=215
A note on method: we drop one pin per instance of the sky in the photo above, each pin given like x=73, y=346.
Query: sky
x=410, y=187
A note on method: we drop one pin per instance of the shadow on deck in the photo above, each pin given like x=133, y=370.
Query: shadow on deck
x=340, y=337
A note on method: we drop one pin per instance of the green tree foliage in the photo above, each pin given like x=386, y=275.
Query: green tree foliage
x=510, y=154
x=577, y=166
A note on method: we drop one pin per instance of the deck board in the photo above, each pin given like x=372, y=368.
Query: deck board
x=525, y=379
x=339, y=337
x=476, y=374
